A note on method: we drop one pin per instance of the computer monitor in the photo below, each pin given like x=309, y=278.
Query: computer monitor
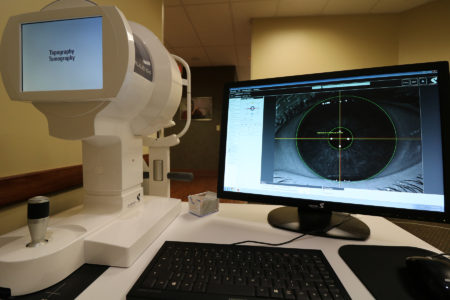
x=368, y=141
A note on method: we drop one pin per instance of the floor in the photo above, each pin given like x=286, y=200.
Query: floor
x=436, y=234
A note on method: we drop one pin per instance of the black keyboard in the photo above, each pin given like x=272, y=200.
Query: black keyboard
x=182, y=270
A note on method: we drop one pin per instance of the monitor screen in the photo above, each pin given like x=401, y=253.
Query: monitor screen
x=367, y=141
x=62, y=55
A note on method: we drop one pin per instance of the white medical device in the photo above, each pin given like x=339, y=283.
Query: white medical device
x=111, y=83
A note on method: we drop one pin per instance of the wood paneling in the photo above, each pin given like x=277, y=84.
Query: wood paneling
x=19, y=188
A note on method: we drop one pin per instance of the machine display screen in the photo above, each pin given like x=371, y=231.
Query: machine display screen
x=62, y=55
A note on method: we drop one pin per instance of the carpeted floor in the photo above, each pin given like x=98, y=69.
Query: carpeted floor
x=436, y=234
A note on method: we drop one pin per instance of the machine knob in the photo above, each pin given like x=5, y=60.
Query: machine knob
x=38, y=212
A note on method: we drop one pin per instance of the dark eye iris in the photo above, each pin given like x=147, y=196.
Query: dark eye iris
x=352, y=140
x=346, y=138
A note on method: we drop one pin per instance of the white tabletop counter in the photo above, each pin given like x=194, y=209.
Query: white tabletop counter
x=239, y=222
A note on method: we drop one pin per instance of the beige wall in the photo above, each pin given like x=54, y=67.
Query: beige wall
x=425, y=33
x=302, y=45
x=289, y=46
x=25, y=145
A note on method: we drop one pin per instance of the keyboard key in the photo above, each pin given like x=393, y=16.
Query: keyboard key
x=289, y=294
x=253, y=281
x=240, y=281
x=276, y=293
x=325, y=294
x=314, y=295
x=266, y=282
x=160, y=284
x=279, y=283
x=173, y=285
x=262, y=292
x=186, y=286
x=228, y=289
x=302, y=295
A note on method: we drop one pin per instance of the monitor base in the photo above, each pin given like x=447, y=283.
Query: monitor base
x=317, y=222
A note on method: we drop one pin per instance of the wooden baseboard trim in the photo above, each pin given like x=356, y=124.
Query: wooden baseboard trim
x=14, y=189
x=18, y=188
x=199, y=173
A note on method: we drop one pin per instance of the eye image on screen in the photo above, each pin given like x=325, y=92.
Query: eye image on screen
x=349, y=139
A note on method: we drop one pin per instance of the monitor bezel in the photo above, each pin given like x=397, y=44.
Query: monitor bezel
x=444, y=87
x=116, y=48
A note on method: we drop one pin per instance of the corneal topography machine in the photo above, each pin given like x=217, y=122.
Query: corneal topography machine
x=111, y=83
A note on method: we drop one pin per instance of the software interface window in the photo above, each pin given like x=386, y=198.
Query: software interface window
x=374, y=137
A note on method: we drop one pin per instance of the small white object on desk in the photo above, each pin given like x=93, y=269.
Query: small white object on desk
x=203, y=204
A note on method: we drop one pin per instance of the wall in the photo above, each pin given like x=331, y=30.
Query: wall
x=289, y=46
x=425, y=33
x=25, y=145
x=199, y=147
x=302, y=45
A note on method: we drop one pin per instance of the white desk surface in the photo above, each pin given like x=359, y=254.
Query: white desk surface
x=239, y=222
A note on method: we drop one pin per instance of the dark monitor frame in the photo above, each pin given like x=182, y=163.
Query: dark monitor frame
x=306, y=204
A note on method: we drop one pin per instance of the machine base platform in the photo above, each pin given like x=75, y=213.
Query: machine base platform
x=82, y=235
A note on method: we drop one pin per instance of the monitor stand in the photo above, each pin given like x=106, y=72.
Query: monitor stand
x=318, y=222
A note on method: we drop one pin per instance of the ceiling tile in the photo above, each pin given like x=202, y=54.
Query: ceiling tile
x=178, y=30
x=172, y=2
x=347, y=7
x=243, y=12
x=254, y=9
x=222, y=56
x=190, y=2
x=300, y=7
x=212, y=23
x=390, y=6
x=194, y=56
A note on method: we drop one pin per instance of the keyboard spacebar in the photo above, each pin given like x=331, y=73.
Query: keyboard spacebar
x=230, y=289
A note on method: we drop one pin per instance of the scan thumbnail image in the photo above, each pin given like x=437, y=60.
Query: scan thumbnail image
x=347, y=139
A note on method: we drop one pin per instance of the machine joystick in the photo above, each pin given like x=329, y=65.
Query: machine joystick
x=38, y=212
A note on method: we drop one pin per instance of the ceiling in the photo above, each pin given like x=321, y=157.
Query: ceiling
x=218, y=32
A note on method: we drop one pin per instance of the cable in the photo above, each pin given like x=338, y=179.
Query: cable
x=270, y=244
x=347, y=218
